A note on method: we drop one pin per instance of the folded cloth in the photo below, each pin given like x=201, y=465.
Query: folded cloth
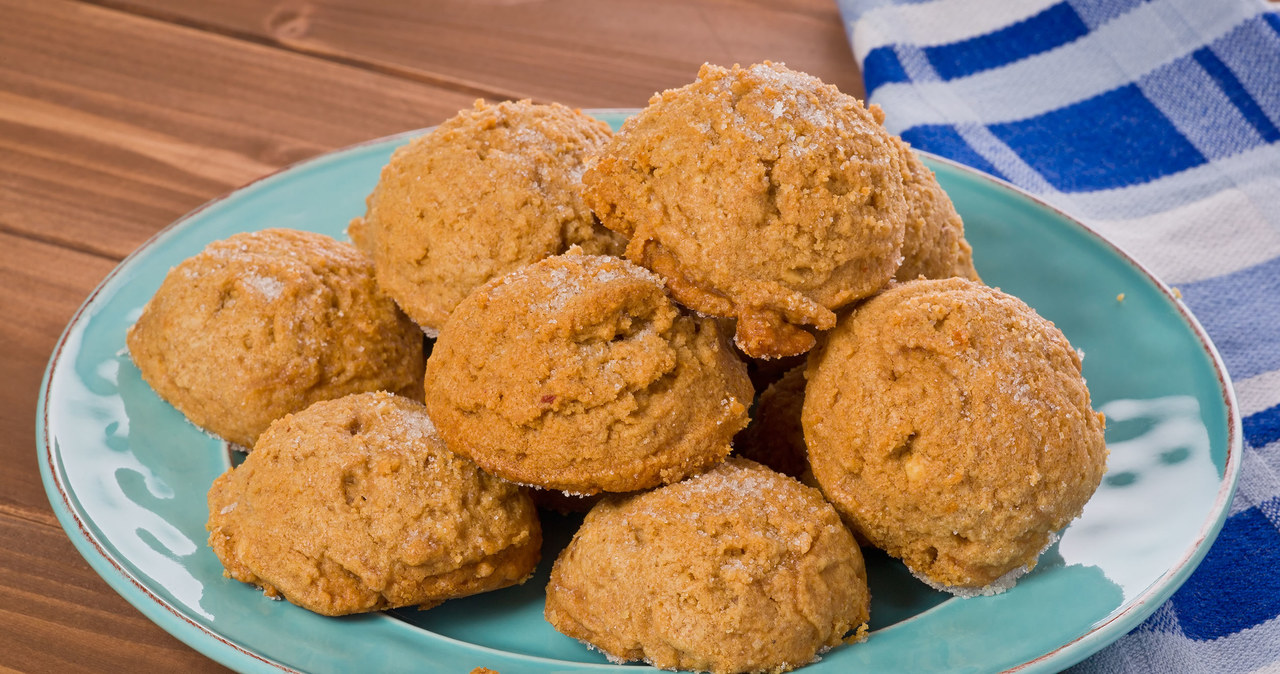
x=1157, y=123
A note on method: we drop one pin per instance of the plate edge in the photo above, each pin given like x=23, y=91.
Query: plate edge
x=1061, y=657
x=1150, y=599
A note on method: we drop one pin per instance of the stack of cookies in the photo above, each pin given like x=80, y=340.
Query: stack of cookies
x=600, y=307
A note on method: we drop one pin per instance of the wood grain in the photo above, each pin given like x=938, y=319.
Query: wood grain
x=43, y=285
x=118, y=116
x=588, y=53
x=58, y=615
x=112, y=126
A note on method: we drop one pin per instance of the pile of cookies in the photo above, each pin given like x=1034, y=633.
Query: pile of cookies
x=603, y=308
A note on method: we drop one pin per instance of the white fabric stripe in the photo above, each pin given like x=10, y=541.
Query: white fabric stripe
x=978, y=136
x=1211, y=237
x=1176, y=190
x=936, y=23
x=1119, y=52
x=1258, y=393
x=916, y=64
x=1248, y=60
x=1150, y=651
x=1008, y=162
x=1258, y=482
x=867, y=35
x=1094, y=13
x=1273, y=668
x=1264, y=189
x=1196, y=106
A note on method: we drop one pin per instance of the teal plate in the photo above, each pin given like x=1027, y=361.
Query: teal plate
x=127, y=475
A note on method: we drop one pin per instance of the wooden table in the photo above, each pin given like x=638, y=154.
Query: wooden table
x=117, y=117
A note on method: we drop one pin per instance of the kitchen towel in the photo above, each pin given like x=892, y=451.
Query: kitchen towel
x=1156, y=123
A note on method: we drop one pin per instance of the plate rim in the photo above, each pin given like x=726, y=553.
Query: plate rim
x=1145, y=603
x=228, y=653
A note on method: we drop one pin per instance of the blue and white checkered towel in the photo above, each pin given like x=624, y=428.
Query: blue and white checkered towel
x=1157, y=122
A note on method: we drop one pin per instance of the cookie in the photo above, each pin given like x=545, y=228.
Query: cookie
x=579, y=374
x=758, y=193
x=950, y=425
x=740, y=569
x=355, y=505
x=933, y=245
x=488, y=191
x=266, y=323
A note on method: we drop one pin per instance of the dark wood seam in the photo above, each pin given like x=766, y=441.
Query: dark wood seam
x=55, y=241
x=438, y=81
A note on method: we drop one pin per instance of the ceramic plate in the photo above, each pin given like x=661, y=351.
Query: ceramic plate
x=127, y=475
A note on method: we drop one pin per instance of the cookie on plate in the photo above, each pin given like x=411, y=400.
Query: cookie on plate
x=758, y=193
x=950, y=425
x=739, y=569
x=578, y=373
x=490, y=190
x=265, y=323
x=355, y=505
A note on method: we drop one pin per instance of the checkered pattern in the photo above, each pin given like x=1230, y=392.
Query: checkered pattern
x=1157, y=122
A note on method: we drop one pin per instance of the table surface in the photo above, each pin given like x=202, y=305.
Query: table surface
x=119, y=116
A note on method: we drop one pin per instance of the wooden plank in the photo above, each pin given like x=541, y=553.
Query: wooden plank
x=59, y=616
x=112, y=125
x=588, y=53
x=42, y=286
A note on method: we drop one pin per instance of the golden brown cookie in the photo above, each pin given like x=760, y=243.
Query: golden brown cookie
x=488, y=191
x=355, y=505
x=775, y=437
x=759, y=193
x=934, y=245
x=578, y=373
x=740, y=569
x=263, y=324
x=950, y=425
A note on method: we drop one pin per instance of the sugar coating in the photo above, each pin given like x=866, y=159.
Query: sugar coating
x=356, y=505
x=950, y=425
x=739, y=569
x=578, y=374
x=265, y=323
x=494, y=188
x=758, y=193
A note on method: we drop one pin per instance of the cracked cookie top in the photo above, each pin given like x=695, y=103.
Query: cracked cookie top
x=739, y=569
x=355, y=505
x=758, y=193
x=578, y=373
x=950, y=425
x=488, y=191
x=262, y=324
